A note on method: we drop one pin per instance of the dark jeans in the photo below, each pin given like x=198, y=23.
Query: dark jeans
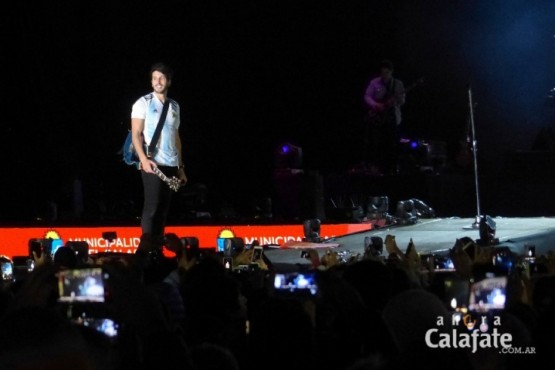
x=384, y=139
x=157, y=198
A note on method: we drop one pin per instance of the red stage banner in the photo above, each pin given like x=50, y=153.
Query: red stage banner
x=14, y=241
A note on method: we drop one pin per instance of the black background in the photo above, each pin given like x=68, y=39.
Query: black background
x=249, y=76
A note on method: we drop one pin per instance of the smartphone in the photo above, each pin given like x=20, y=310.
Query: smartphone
x=488, y=294
x=530, y=252
x=297, y=282
x=190, y=247
x=105, y=326
x=82, y=285
x=55, y=245
x=228, y=263
x=503, y=260
x=443, y=263
x=220, y=244
x=257, y=254
x=456, y=291
x=40, y=246
x=6, y=271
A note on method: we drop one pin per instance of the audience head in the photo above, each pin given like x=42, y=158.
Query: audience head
x=65, y=258
x=39, y=337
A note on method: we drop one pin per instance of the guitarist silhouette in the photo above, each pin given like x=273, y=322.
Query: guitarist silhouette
x=384, y=97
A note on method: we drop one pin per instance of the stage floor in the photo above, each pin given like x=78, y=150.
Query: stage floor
x=438, y=236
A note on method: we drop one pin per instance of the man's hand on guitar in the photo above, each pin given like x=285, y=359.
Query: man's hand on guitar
x=148, y=166
x=378, y=107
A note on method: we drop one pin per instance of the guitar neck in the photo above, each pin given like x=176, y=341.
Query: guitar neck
x=174, y=183
x=160, y=174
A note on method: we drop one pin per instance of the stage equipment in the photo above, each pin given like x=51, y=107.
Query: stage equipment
x=476, y=224
x=298, y=195
x=377, y=207
x=422, y=155
x=406, y=213
x=341, y=212
x=311, y=230
x=377, y=211
x=422, y=209
x=373, y=246
x=289, y=156
x=487, y=231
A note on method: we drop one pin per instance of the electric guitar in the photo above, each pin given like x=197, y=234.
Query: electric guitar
x=173, y=182
x=376, y=117
x=130, y=157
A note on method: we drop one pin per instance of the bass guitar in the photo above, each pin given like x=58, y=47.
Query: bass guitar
x=378, y=117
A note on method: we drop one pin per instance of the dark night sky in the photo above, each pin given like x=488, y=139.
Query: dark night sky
x=252, y=74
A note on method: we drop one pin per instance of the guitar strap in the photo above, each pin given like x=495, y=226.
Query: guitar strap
x=391, y=89
x=158, y=130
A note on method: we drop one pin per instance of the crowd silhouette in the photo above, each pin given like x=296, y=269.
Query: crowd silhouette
x=190, y=312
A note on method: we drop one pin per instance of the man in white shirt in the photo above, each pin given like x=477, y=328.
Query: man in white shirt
x=167, y=155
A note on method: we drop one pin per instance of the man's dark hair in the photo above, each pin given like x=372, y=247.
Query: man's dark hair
x=386, y=63
x=162, y=68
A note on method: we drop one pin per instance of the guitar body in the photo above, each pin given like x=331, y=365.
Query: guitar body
x=129, y=155
x=378, y=118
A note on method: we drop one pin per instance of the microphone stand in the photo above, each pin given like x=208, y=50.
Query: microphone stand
x=476, y=224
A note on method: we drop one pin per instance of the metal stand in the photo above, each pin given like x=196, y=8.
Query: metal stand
x=476, y=224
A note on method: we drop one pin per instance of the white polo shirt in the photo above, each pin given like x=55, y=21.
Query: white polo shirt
x=149, y=108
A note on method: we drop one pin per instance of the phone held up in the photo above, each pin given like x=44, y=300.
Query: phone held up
x=84, y=285
x=298, y=283
x=489, y=294
x=257, y=253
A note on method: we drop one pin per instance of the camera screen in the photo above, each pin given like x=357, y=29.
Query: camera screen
x=488, y=294
x=40, y=246
x=292, y=282
x=81, y=285
x=228, y=263
x=7, y=271
x=55, y=245
x=530, y=251
x=105, y=326
x=443, y=264
x=256, y=254
x=503, y=261
x=220, y=243
x=456, y=292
